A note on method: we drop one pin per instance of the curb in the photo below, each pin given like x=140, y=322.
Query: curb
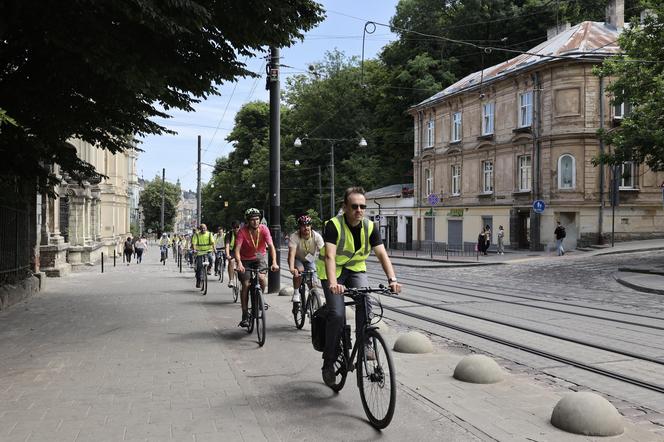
x=637, y=287
x=442, y=266
x=617, y=252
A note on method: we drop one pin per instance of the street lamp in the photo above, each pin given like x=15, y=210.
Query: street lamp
x=332, y=141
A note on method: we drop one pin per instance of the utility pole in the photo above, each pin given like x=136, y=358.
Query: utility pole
x=198, y=186
x=320, y=196
x=332, y=211
x=163, y=197
x=274, y=278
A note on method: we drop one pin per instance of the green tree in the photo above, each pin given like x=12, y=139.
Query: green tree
x=636, y=78
x=151, y=202
x=101, y=71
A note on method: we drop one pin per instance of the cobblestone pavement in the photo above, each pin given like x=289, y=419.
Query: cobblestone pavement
x=571, y=277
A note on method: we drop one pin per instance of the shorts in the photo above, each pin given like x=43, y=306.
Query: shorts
x=255, y=264
x=306, y=265
x=231, y=254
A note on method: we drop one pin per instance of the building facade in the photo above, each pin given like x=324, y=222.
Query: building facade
x=88, y=218
x=185, y=217
x=489, y=146
x=393, y=210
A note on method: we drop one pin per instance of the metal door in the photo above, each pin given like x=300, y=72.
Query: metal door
x=455, y=234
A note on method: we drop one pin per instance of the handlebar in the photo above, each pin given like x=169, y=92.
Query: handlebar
x=354, y=292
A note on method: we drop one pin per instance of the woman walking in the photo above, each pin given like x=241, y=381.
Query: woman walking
x=501, y=239
x=128, y=250
x=139, y=247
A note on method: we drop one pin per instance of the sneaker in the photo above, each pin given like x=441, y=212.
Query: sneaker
x=328, y=376
x=230, y=285
x=198, y=284
x=296, y=307
x=370, y=353
x=245, y=320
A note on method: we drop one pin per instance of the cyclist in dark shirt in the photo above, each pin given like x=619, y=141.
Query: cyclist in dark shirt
x=349, y=239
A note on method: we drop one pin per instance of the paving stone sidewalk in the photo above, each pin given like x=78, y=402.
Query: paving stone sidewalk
x=137, y=354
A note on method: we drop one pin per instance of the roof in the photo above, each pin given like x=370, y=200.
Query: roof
x=587, y=40
x=395, y=190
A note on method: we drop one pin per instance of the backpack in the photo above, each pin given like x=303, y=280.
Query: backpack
x=563, y=234
x=318, y=325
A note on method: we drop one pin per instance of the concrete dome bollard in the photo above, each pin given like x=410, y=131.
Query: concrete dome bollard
x=587, y=413
x=478, y=369
x=413, y=342
x=286, y=291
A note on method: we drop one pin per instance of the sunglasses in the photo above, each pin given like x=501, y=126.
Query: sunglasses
x=358, y=206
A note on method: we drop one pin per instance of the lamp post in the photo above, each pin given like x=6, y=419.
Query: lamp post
x=332, y=141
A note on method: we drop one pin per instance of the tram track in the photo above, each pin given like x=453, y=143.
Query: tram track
x=411, y=282
x=558, y=358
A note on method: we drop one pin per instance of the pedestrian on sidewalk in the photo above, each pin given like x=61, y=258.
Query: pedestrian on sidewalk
x=501, y=239
x=139, y=247
x=480, y=242
x=560, y=236
x=487, y=239
x=128, y=250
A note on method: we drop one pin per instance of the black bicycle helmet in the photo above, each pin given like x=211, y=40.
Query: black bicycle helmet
x=304, y=220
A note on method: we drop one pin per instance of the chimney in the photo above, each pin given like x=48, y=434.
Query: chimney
x=615, y=13
x=555, y=30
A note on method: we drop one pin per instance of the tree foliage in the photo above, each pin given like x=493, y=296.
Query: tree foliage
x=151, y=202
x=636, y=78
x=100, y=71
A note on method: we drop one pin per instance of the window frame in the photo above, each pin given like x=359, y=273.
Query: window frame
x=455, y=136
x=632, y=166
x=528, y=106
x=487, y=177
x=560, y=175
x=456, y=180
x=428, y=181
x=528, y=170
x=431, y=132
x=488, y=118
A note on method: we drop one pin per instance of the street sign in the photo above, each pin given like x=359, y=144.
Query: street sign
x=377, y=218
x=433, y=199
x=539, y=206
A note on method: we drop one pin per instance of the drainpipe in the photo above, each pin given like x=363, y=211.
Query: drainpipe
x=535, y=218
x=600, y=238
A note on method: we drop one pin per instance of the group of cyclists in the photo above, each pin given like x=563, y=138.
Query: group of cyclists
x=338, y=256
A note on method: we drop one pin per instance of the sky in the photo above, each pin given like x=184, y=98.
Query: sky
x=213, y=118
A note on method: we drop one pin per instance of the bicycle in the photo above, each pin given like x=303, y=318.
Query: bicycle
x=164, y=254
x=374, y=377
x=309, y=299
x=220, y=264
x=257, y=306
x=203, y=272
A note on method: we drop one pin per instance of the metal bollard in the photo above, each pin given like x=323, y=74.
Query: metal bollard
x=102, y=262
x=113, y=258
x=180, y=261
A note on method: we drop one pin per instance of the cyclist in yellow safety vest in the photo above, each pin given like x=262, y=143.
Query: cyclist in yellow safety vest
x=203, y=243
x=349, y=239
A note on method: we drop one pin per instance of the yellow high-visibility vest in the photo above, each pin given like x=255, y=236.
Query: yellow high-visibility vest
x=347, y=257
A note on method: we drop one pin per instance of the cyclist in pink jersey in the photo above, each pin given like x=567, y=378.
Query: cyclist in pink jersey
x=251, y=246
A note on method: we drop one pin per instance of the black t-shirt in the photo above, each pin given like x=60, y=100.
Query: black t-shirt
x=330, y=235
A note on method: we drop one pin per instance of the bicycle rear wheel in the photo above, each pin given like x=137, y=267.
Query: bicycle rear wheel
x=377, y=381
x=236, y=290
x=313, y=303
x=204, y=284
x=260, y=318
x=222, y=269
x=299, y=313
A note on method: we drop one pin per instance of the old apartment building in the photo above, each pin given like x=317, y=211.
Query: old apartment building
x=494, y=142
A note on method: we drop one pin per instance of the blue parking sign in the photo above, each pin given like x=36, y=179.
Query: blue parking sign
x=539, y=206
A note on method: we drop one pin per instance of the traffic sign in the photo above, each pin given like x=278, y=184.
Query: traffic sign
x=433, y=199
x=539, y=206
x=377, y=218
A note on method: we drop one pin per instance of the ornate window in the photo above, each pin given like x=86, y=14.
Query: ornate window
x=431, y=131
x=428, y=181
x=566, y=172
x=627, y=175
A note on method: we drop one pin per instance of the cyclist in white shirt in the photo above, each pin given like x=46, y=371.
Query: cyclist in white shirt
x=303, y=249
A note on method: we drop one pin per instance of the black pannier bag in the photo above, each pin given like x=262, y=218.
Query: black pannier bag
x=318, y=324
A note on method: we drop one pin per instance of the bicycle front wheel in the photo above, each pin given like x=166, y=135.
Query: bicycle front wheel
x=222, y=269
x=299, y=310
x=313, y=303
x=204, y=285
x=260, y=318
x=377, y=380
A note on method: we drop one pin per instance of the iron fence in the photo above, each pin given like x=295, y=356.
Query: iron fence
x=14, y=244
x=434, y=250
